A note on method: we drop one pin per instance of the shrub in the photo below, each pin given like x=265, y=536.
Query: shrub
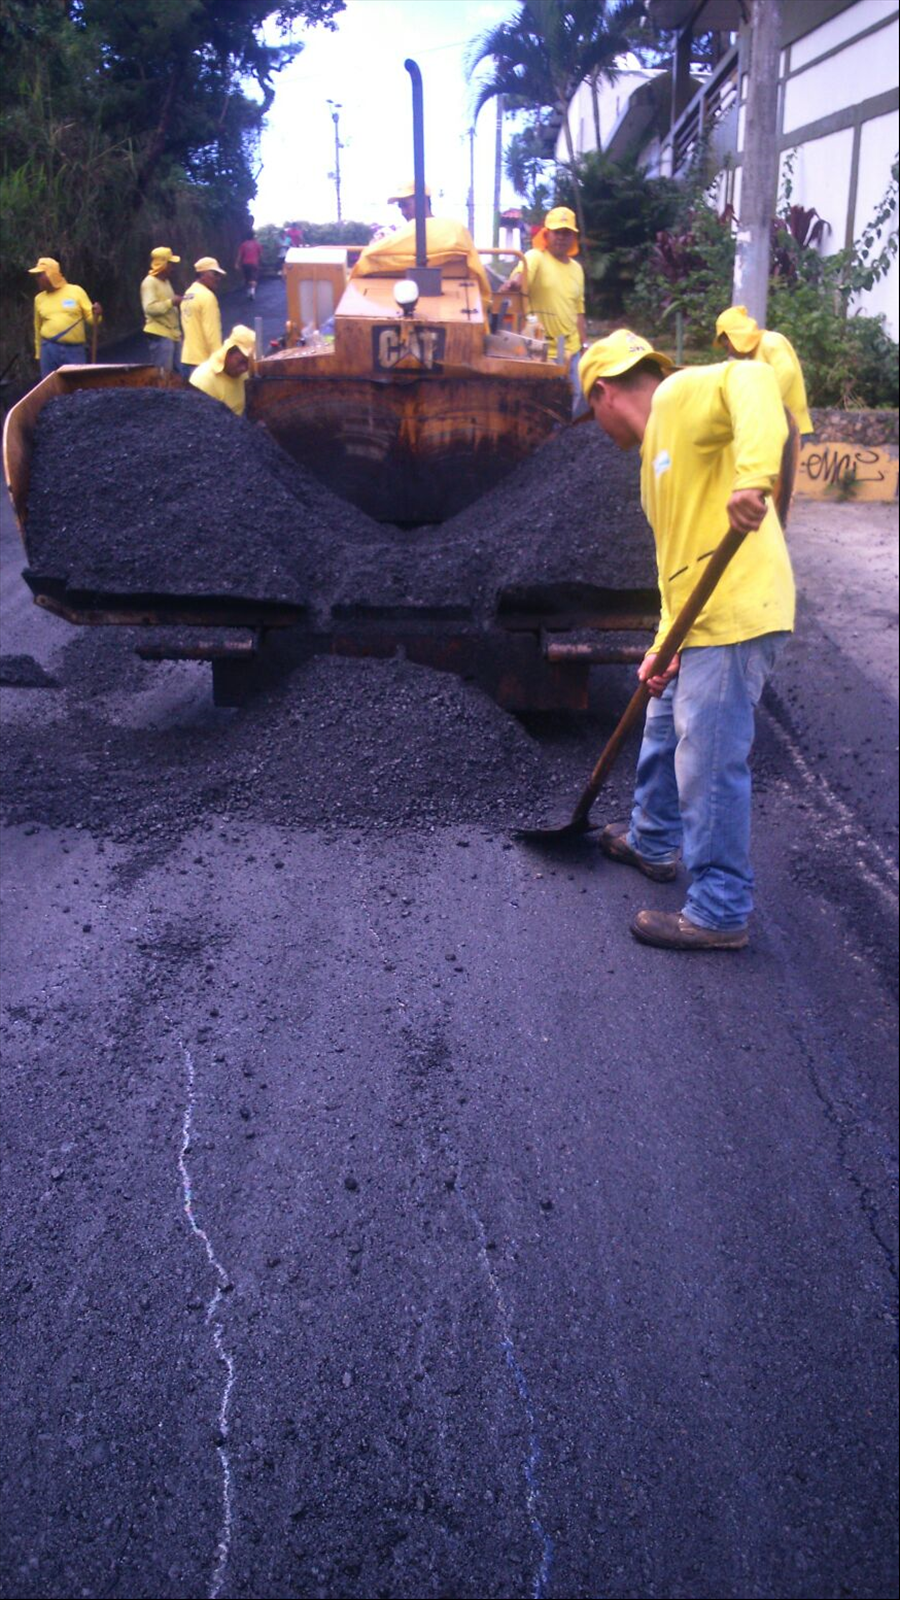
x=624, y=211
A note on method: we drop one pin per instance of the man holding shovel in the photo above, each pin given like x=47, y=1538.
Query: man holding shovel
x=711, y=441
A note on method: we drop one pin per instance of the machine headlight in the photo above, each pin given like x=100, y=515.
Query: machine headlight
x=406, y=294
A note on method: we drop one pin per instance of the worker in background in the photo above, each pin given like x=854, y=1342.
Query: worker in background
x=223, y=376
x=160, y=303
x=711, y=440
x=444, y=241
x=62, y=315
x=405, y=201
x=554, y=283
x=247, y=261
x=745, y=340
x=201, y=320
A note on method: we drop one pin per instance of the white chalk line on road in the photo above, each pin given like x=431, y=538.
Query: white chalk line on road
x=223, y=1547
x=843, y=818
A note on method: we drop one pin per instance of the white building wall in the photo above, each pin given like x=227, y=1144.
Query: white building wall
x=846, y=25
x=861, y=69
x=821, y=180
x=612, y=98
x=878, y=146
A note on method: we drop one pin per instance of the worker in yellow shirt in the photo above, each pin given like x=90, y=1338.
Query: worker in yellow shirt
x=62, y=315
x=711, y=441
x=445, y=240
x=554, y=284
x=223, y=376
x=743, y=338
x=201, y=320
x=160, y=303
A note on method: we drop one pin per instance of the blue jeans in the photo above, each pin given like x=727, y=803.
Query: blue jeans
x=693, y=776
x=161, y=350
x=61, y=355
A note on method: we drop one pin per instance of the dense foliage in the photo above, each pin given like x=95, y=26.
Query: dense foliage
x=848, y=359
x=130, y=123
x=624, y=211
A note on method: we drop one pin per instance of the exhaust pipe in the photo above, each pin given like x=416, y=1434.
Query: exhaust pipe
x=428, y=278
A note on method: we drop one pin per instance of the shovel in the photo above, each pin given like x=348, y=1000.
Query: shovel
x=578, y=824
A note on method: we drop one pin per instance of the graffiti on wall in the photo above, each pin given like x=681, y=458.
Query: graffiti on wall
x=859, y=472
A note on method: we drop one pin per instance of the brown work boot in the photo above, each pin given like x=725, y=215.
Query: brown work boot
x=614, y=844
x=672, y=930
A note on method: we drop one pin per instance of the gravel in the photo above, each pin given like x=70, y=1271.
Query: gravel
x=155, y=492
x=370, y=743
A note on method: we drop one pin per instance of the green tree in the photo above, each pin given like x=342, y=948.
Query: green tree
x=549, y=47
x=128, y=123
x=624, y=211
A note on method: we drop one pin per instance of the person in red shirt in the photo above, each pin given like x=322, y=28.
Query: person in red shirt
x=248, y=258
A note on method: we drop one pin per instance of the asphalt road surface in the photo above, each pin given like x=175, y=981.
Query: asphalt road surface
x=380, y=1219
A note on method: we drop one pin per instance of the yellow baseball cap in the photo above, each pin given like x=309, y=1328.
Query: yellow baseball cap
x=406, y=192
x=561, y=217
x=51, y=268
x=618, y=353
x=163, y=253
x=244, y=338
x=737, y=325
x=209, y=264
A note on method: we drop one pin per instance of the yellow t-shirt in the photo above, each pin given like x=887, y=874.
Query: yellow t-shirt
x=231, y=391
x=201, y=323
x=62, y=314
x=780, y=355
x=160, y=312
x=556, y=296
x=713, y=430
x=444, y=239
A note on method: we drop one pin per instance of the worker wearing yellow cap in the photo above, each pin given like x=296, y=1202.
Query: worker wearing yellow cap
x=554, y=283
x=201, y=320
x=711, y=441
x=62, y=315
x=223, y=376
x=445, y=240
x=743, y=338
x=159, y=303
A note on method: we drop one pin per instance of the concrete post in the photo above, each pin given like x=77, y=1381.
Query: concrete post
x=759, y=182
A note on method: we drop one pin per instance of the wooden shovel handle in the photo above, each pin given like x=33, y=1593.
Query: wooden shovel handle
x=668, y=648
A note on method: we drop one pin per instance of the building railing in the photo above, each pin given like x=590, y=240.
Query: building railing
x=712, y=113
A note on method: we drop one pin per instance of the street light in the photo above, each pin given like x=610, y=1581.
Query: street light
x=336, y=109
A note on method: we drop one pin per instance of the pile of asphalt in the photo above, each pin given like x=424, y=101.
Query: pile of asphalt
x=349, y=743
x=157, y=492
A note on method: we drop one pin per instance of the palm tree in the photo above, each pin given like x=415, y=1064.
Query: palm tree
x=546, y=50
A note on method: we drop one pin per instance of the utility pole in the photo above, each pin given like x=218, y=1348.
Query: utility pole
x=498, y=169
x=336, y=109
x=759, y=184
x=470, y=206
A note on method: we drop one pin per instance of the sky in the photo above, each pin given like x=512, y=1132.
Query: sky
x=360, y=68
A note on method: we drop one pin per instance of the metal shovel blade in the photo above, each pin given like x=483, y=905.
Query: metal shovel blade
x=579, y=824
x=561, y=834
